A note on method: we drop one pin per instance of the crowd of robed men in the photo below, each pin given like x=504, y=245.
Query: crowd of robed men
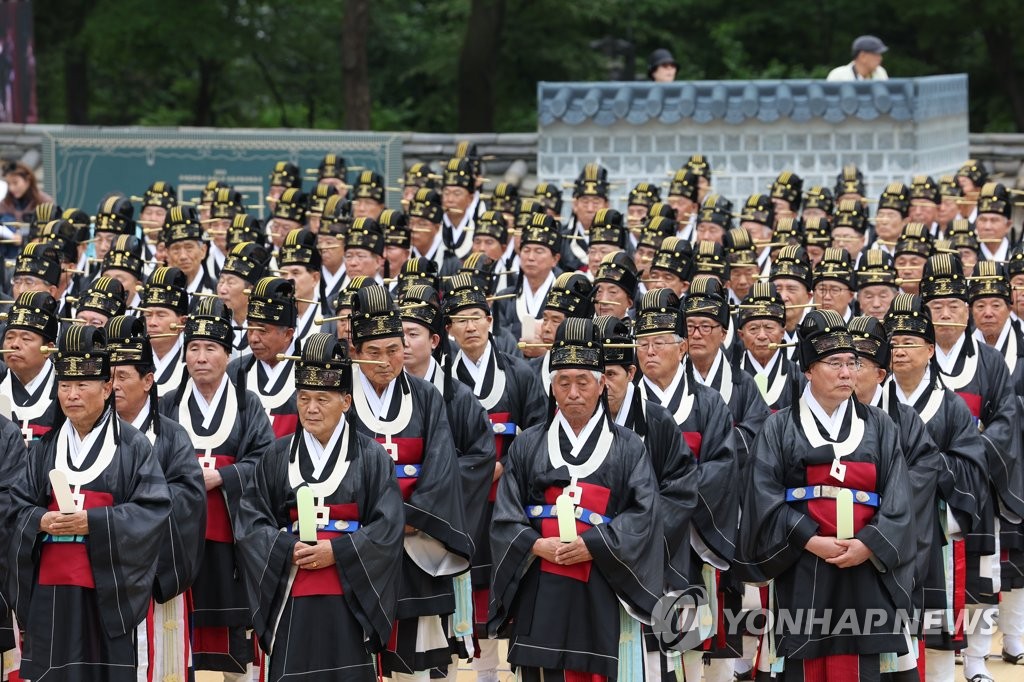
x=356, y=441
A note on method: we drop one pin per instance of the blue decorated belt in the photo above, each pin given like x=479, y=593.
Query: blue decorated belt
x=407, y=470
x=504, y=428
x=63, y=538
x=831, y=492
x=547, y=511
x=334, y=525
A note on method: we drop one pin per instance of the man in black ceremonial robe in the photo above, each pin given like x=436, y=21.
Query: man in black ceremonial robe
x=323, y=599
x=576, y=535
x=82, y=529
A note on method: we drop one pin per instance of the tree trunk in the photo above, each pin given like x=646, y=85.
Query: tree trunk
x=478, y=65
x=1000, y=51
x=203, y=112
x=76, y=84
x=354, y=69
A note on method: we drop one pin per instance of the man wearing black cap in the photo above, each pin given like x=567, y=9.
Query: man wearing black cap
x=181, y=546
x=971, y=177
x=126, y=263
x=706, y=425
x=428, y=238
x=115, y=216
x=491, y=238
x=101, y=301
x=227, y=203
x=891, y=216
x=761, y=320
x=662, y=66
x=229, y=432
x=333, y=171
x=671, y=266
x=84, y=521
x=164, y=306
x=539, y=253
x=186, y=248
x=289, y=214
x=607, y=237
x=791, y=275
x=993, y=221
x=714, y=219
x=322, y=589
x=569, y=296
x=978, y=374
x=268, y=371
x=330, y=242
x=615, y=284
x=28, y=380
x=684, y=196
x=407, y=416
x=826, y=515
x=368, y=199
x=833, y=283
x=578, y=494
x=990, y=310
x=874, y=280
x=37, y=268
x=589, y=195
x=461, y=202
x=475, y=442
x=960, y=496
x=159, y=198
x=285, y=176
x=867, y=61
x=910, y=255
x=13, y=460
x=245, y=265
x=675, y=468
x=924, y=203
x=299, y=261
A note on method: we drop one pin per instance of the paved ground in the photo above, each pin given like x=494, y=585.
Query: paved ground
x=1002, y=672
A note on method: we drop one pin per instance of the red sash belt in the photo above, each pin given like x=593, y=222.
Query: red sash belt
x=311, y=582
x=593, y=497
x=67, y=563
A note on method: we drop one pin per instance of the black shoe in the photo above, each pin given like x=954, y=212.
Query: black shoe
x=1011, y=659
x=981, y=677
x=744, y=677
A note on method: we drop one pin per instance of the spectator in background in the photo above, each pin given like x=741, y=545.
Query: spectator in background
x=866, y=64
x=662, y=66
x=23, y=195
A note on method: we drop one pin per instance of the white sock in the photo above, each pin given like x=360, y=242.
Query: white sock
x=939, y=665
x=719, y=670
x=979, y=642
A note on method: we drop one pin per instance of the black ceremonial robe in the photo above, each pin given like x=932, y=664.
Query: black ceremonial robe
x=277, y=398
x=782, y=379
x=79, y=599
x=959, y=484
x=414, y=431
x=12, y=459
x=33, y=413
x=319, y=624
x=566, y=618
x=236, y=439
x=790, y=454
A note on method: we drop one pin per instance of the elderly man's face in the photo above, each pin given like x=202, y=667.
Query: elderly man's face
x=320, y=412
x=206, y=361
x=267, y=340
x=83, y=401
x=577, y=392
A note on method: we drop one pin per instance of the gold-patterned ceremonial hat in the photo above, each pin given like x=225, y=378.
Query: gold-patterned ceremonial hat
x=990, y=280
x=570, y=294
x=420, y=175
x=852, y=213
x=126, y=253
x=395, y=225
x=790, y=230
x=418, y=271
x=35, y=311
x=366, y=234
x=758, y=209
x=104, y=296
x=740, y=250
x=246, y=228
x=116, y=215
x=924, y=187
x=247, y=260
x=370, y=185
x=709, y=258
x=325, y=364
x=166, y=288
x=285, y=174
x=915, y=239
x=870, y=339
x=426, y=204
x=209, y=192
x=821, y=198
x=299, y=248
x=272, y=301
x=337, y=216
x=706, y=297
x=995, y=199
x=675, y=256
x=699, y=165
x=975, y=171
x=160, y=194
x=875, y=268
x=182, y=224
x=39, y=259
x=835, y=265
x=492, y=224
x=82, y=355
x=644, y=194
x=210, y=320
x=895, y=197
x=591, y=182
x=850, y=181
x=127, y=342
x=481, y=268
x=943, y=277
x=659, y=313
x=463, y=292
x=526, y=210
x=949, y=187
x=908, y=315
x=375, y=315
x=542, y=230
x=608, y=228
x=616, y=341
x=332, y=166
x=43, y=214
x=347, y=296
x=619, y=269
x=822, y=333
x=422, y=304
x=961, y=235
x=717, y=210
x=505, y=197
x=762, y=303
x=792, y=263
x=549, y=196
x=656, y=230
x=227, y=203
x=291, y=206
x=685, y=184
x=577, y=346
x=788, y=186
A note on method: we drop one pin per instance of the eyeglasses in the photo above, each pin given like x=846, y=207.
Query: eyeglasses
x=466, y=320
x=704, y=328
x=837, y=365
x=658, y=345
x=831, y=292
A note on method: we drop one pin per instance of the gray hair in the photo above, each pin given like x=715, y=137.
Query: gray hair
x=593, y=372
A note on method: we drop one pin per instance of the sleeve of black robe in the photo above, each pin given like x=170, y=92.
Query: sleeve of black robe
x=436, y=506
x=718, y=496
x=181, y=550
x=1002, y=443
x=963, y=475
x=749, y=418
x=474, y=441
x=368, y=561
x=255, y=436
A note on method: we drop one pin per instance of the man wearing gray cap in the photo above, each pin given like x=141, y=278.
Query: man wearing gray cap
x=866, y=64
